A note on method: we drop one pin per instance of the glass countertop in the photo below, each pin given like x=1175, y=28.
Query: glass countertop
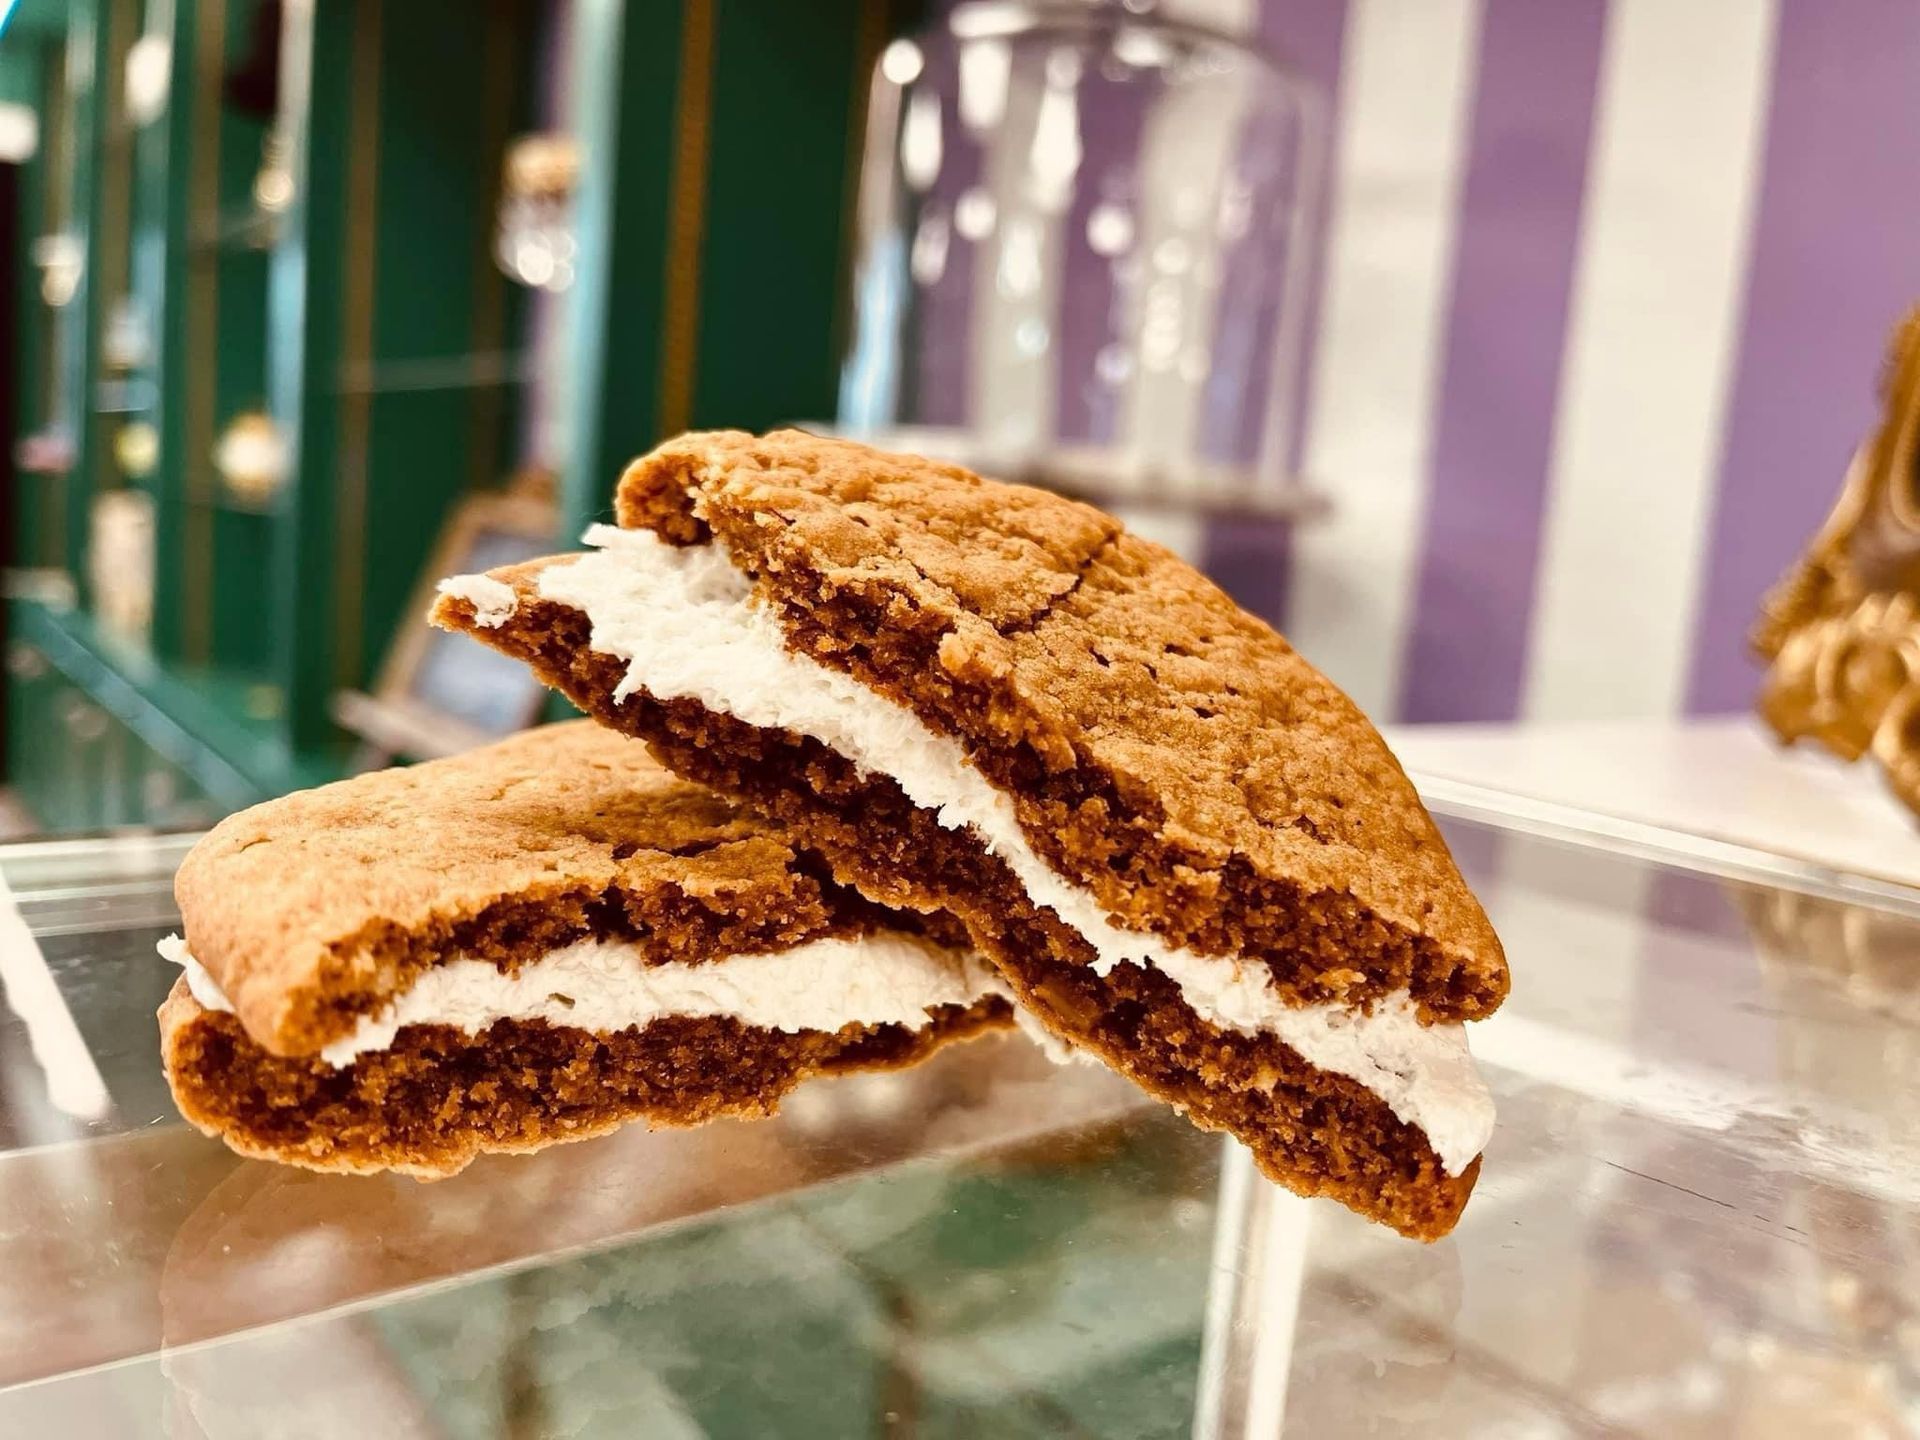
x=1700, y=1215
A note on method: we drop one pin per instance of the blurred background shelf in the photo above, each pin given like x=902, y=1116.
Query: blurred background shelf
x=103, y=734
x=454, y=372
x=286, y=317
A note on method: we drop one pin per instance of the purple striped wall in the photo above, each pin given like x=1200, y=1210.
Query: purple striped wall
x=1250, y=558
x=1836, y=259
x=1519, y=233
x=1834, y=262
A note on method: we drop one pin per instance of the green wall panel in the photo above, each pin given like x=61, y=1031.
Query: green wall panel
x=33, y=61
x=788, y=95
x=161, y=278
x=719, y=138
x=423, y=404
x=303, y=292
x=88, y=57
x=241, y=641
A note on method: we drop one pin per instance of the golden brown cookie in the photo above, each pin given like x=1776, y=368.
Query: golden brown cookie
x=1179, y=789
x=324, y=924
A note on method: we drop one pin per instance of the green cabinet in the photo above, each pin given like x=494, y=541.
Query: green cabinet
x=328, y=269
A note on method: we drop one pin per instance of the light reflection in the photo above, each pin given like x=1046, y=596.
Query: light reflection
x=1031, y=335
x=1109, y=229
x=901, y=62
x=1019, y=273
x=974, y=214
x=1142, y=48
x=1236, y=209
x=928, y=259
x=1055, y=157
x=920, y=141
x=985, y=70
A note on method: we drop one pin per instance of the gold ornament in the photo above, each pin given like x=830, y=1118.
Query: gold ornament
x=251, y=458
x=1841, y=630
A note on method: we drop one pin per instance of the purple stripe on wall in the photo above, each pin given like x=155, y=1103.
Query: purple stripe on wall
x=1521, y=202
x=1835, y=263
x=1476, y=850
x=1251, y=559
x=1682, y=900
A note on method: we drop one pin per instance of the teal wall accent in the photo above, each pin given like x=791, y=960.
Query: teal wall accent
x=88, y=57
x=625, y=89
x=307, y=275
x=38, y=19
x=20, y=61
x=162, y=271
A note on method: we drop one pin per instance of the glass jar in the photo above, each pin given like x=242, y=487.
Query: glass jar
x=1084, y=253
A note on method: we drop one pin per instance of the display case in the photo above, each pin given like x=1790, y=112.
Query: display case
x=1699, y=1215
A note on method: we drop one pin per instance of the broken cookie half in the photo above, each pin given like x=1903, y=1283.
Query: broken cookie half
x=531, y=943
x=1188, y=853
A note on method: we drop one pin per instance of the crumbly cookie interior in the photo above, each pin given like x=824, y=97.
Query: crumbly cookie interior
x=1315, y=1132
x=437, y=1098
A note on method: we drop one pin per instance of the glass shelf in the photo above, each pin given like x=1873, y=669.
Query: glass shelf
x=1700, y=1215
x=239, y=229
x=481, y=370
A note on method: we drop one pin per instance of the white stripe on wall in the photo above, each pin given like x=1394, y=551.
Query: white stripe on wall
x=1407, y=81
x=1587, y=918
x=1650, y=350
x=1184, y=532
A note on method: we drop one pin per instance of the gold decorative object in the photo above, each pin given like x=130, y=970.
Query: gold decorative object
x=1842, y=628
x=251, y=458
x=61, y=259
x=273, y=182
x=535, y=242
x=542, y=165
x=120, y=561
x=1870, y=957
x=136, y=449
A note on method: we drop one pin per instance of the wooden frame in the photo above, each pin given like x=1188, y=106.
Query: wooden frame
x=397, y=719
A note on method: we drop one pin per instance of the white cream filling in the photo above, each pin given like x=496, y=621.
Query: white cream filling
x=684, y=620
x=493, y=600
x=881, y=978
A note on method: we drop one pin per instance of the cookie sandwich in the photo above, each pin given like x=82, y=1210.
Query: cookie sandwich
x=1189, y=854
x=530, y=943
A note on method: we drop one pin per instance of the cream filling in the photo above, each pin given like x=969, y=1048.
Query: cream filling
x=603, y=986
x=685, y=621
x=493, y=601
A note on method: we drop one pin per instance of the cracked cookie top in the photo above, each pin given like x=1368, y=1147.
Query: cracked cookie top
x=1163, y=747
x=312, y=909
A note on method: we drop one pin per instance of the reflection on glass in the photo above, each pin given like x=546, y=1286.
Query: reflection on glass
x=1700, y=1215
